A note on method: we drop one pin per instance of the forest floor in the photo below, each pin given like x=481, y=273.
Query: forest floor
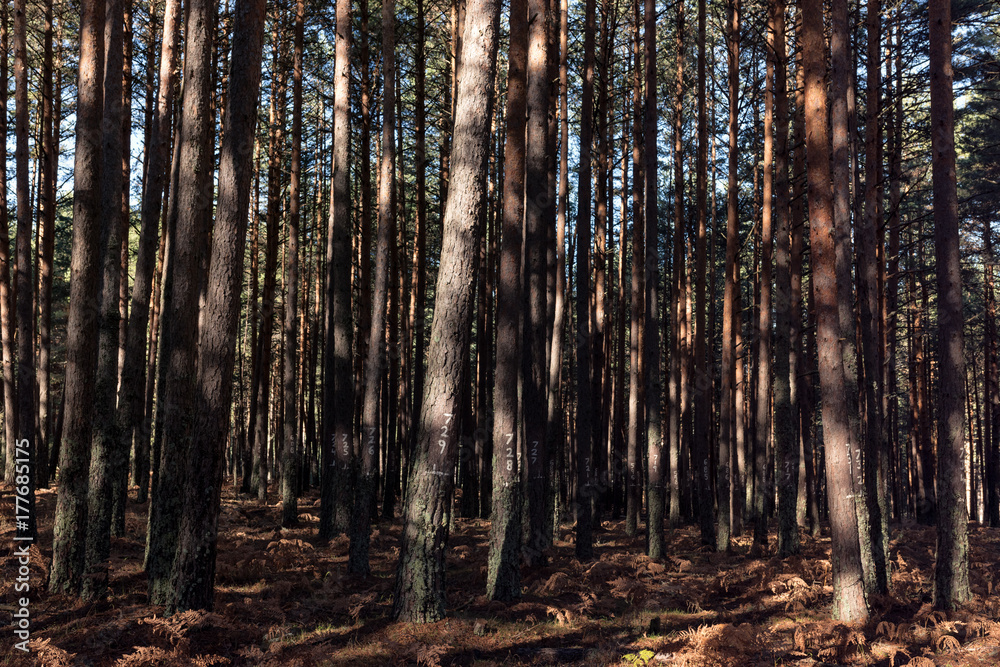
x=282, y=600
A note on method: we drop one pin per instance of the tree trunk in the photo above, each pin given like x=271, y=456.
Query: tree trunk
x=951, y=571
x=6, y=294
x=46, y=233
x=725, y=486
x=503, y=579
x=131, y=425
x=786, y=444
x=420, y=590
x=262, y=383
x=702, y=379
x=584, y=401
x=849, y=594
x=187, y=217
x=869, y=314
x=633, y=482
x=69, y=531
x=24, y=287
x=677, y=285
x=108, y=456
x=534, y=313
x=193, y=576
x=654, y=381
x=361, y=516
x=290, y=437
x=338, y=397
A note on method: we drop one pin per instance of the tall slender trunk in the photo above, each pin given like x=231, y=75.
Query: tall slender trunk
x=533, y=354
x=584, y=402
x=193, y=575
x=70, y=527
x=849, y=597
x=503, y=580
x=418, y=290
x=951, y=572
x=654, y=380
x=554, y=430
x=259, y=480
x=338, y=397
x=24, y=285
x=187, y=218
x=290, y=437
x=130, y=415
x=633, y=482
x=726, y=488
x=108, y=456
x=420, y=590
x=841, y=115
x=763, y=490
x=6, y=294
x=46, y=246
x=702, y=379
x=677, y=284
x=869, y=314
x=361, y=515
x=786, y=444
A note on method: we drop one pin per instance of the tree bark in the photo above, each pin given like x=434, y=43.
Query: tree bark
x=951, y=571
x=193, y=575
x=70, y=528
x=849, y=597
x=108, y=456
x=6, y=294
x=533, y=353
x=786, y=442
x=702, y=376
x=132, y=427
x=24, y=285
x=677, y=285
x=375, y=360
x=46, y=246
x=338, y=401
x=503, y=579
x=187, y=218
x=725, y=487
x=290, y=437
x=584, y=401
x=654, y=380
x=419, y=591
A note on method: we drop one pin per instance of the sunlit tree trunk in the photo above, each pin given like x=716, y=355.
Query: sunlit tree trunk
x=786, y=442
x=849, y=594
x=677, y=282
x=46, y=246
x=130, y=413
x=534, y=313
x=633, y=480
x=420, y=587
